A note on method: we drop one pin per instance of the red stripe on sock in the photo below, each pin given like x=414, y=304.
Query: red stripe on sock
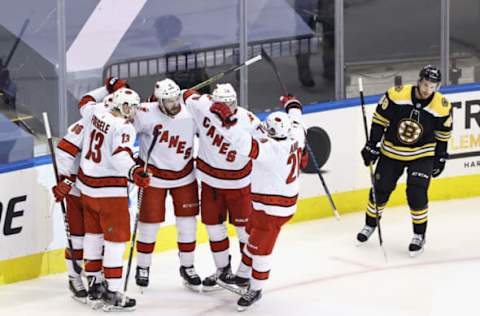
x=93, y=265
x=246, y=260
x=260, y=275
x=144, y=247
x=77, y=254
x=113, y=273
x=217, y=246
x=186, y=246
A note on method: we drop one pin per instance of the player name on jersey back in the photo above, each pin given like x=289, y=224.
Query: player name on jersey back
x=106, y=155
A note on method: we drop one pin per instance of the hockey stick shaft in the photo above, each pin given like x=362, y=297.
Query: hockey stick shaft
x=370, y=166
x=17, y=41
x=309, y=149
x=220, y=75
x=46, y=123
x=139, y=204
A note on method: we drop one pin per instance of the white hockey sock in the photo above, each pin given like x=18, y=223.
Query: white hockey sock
x=113, y=264
x=219, y=244
x=77, y=254
x=92, y=254
x=245, y=267
x=186, y=239
x=260, y=272
x=243, y=270
x=147, y=236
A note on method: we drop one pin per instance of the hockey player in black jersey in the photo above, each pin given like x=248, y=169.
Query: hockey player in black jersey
x=410, y=130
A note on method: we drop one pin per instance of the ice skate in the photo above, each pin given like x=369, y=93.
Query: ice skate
x=117, y=302
x=416, y=245
x=233, y=283
x=248, y=299
x=210, y=283
x=94, y=294
x=191, y=280
x=75, y=285
x=365, y=233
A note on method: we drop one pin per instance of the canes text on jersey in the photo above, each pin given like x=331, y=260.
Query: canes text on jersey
x=217, y=140
x=173, y=141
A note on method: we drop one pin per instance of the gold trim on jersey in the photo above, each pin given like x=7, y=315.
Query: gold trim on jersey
x=438, y=107
x=443, y=136
x=407, y=153
x=377, y=118
x=401, y=95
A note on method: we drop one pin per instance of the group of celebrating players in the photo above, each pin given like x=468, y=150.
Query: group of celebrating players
x=247, y=172
x=243, y=170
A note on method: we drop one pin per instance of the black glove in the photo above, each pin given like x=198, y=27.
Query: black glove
x=439, y=164
x=370, y=154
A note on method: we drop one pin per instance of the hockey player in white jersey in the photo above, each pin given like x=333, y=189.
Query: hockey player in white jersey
x=224, y=176
x=68, y=160
x=171, y=164
x=275, y=186
x=106, y=166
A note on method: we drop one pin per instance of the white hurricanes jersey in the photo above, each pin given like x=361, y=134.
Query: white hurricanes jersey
x=171, y=161
x=67, y=153
x=218, y=162
x=107, y=153
x=276, y=166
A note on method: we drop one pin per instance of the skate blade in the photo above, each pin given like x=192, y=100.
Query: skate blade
x=242, y=308
x=82, y=300
x=112, y=308
x=142, y=289
x=211, y=288
x=95, y=304
x=414, y=254
x=191, y=287
x=233, y=288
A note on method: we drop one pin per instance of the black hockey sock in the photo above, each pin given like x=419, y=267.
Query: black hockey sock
x=420, y=228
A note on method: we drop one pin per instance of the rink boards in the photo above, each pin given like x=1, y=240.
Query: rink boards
x=31, y=224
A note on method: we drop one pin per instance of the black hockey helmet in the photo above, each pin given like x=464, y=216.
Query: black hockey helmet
x=431, y=73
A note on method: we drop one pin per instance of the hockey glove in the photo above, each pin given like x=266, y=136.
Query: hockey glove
x=370, y=154
x=188, y=93
x=113, y=84
x=224, y=113
x=139, y=177
x=290, y=102
x=304, y=160
x=61, y=190
x=439, y=164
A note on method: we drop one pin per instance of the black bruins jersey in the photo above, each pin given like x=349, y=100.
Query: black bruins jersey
x=412, y=127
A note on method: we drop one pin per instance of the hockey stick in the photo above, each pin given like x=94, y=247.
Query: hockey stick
x=370, y=166
x=15, y=44
x=220, y=75
x=46, y=123
x=309, y=149
x=135, y=226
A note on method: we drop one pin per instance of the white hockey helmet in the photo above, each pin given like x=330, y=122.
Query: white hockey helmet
x=225, y=93
x=125, y=101
x=278, y=125
x=108, y=101
x=168, y=93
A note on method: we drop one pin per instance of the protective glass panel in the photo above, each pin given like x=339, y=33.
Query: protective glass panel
x=387, y=42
